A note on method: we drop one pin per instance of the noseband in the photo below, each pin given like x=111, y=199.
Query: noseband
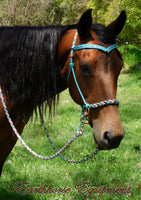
x=88, y=106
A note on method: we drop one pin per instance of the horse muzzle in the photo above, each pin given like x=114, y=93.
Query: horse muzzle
x=108, y=141
x=107, y=134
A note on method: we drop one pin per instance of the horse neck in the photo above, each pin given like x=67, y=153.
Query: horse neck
x=64, y=48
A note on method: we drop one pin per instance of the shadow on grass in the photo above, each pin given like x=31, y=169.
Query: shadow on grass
x=17, y=188
x=13, y=196
x=7, y=192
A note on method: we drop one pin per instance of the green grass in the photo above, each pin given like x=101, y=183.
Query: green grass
x=116, y=168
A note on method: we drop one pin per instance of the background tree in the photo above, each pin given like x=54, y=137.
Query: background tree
x=106, y=11
x=132, y=30
x=72, y=10
x=28, y=12
x=46, y=12
x=99, y=8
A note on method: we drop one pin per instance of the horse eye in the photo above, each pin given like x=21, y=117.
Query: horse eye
x=85, y=69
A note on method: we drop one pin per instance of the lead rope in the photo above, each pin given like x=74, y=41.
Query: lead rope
x=79, y=133
x=80, y=130
x=58, y=153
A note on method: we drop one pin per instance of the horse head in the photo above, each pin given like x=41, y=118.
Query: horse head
x=96, y=72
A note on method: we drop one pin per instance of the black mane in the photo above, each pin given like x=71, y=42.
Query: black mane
x=29, y=70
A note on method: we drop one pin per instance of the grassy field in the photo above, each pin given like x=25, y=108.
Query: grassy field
x=119, y=168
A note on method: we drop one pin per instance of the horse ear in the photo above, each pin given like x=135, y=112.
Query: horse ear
x=117, y=25
x=85, y=25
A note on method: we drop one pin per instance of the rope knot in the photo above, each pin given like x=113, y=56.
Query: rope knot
x=86, y=106
x=71, y=65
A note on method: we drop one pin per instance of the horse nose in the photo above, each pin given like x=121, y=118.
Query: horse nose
x=110, y=141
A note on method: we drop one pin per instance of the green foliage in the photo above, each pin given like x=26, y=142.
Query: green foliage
x=132, y=30
x=131, y=55
x=133, y=26
x=40, y=12
x=107, y=11
x=72, y=10
x=99, y=8
x=46, y=12
x=37, y=12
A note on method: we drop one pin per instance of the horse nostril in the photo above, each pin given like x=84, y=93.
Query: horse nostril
x=107, y=136
x=111, y=142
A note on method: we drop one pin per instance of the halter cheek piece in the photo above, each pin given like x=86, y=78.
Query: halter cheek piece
x=87, y=106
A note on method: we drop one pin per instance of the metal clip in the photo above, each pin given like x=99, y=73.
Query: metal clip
x=84, y=118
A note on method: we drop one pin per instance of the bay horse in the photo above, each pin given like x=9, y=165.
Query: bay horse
x=34, y=66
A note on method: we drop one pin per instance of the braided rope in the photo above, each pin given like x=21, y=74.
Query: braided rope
x=94, y=46
x=79, y=133
x=58, y=153
x=88, y=106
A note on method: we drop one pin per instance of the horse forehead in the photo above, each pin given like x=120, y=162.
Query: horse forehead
x=100, y=61
x=92, y=52
x=91, y=55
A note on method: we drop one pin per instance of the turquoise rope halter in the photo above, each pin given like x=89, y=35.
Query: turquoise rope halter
x=71, y=64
